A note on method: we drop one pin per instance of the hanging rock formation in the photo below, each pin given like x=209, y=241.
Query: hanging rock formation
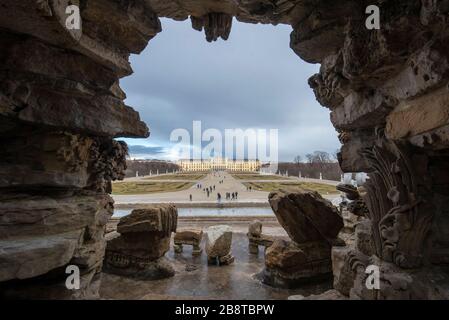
x=61, y=106
x=215, y=25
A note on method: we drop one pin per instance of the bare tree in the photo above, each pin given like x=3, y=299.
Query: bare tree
x=319, y=157
x=335, y=155
x=312, y=165
x=310, y=158
x=297, y=160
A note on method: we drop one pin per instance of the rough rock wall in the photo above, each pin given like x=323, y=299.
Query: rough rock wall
x=60, y=108
x=61, y=105
x=387, y=91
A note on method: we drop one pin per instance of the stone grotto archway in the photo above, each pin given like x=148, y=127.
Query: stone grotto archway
x=61, y=107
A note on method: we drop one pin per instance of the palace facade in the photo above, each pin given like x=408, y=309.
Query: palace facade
x=219, y=164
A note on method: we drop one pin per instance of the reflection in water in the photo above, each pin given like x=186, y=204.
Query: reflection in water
x=238, y=281
x=190, y=212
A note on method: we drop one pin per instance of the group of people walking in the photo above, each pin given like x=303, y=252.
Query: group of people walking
x=208, y=190
x=229, y=196
x=232, y=196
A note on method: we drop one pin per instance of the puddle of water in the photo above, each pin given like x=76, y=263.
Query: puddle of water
x=201, y=212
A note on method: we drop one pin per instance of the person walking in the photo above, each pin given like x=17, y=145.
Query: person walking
x=236, y=195
x=190, y=197
x=219, y=197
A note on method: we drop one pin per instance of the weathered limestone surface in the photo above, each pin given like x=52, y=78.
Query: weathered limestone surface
x=218, y=244
x=387, y=92
x=255, y=228
x=61, y=106
x=306, y=216
x=313, y=224
x=256, y=238
x=186, y=235
x=289, y=264
x=138, y=247
x=190, y=237
x=352, y=209
x=328, y=295
x=40, y=235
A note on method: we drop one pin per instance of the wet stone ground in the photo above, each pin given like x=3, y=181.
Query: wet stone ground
x=194, y=279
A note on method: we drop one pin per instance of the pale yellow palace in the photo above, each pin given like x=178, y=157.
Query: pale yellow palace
x=219, y=164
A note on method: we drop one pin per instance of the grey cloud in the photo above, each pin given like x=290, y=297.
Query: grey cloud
x=150, y=151
x=252, y=80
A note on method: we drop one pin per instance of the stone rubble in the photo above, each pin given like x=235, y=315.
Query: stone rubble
x=313, y=224
x=256, y=238
x=190, y=237
x=218, y=245
x=138, y=247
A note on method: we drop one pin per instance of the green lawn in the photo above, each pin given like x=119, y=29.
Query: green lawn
x=254, y=176
x=124, y=188
x=178, y=176
x=276, y=186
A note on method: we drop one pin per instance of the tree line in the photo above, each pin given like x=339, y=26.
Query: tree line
x=144, y=167
x=312, y=165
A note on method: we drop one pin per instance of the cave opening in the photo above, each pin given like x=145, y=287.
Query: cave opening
x=61, y=108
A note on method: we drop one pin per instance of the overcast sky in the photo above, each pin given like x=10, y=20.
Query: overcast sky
x=252, y=80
